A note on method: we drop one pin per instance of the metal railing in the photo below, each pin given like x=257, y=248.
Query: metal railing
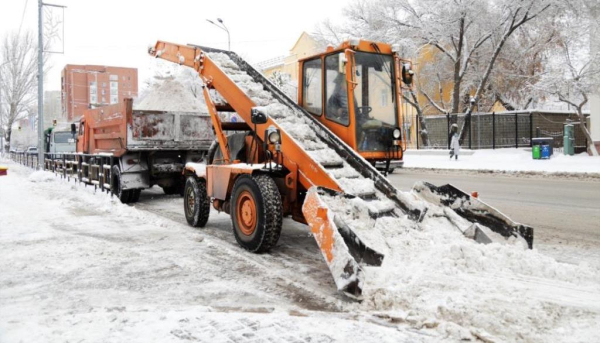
x=88, y=169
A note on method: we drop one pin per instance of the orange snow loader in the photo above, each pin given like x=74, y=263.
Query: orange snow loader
x=309, y=160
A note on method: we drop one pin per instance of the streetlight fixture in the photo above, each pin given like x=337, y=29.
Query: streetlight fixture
x=224, y=28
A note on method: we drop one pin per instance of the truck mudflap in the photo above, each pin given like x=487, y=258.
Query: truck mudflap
x=482, y=215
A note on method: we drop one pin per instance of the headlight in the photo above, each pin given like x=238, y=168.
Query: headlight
x=273, y=135
x=396, y=133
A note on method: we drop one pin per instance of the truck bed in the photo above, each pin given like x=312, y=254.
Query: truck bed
x=160, y=130
x=116, y=129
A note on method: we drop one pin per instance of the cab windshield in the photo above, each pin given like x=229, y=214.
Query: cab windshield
x=63, y=137
x=375, y=103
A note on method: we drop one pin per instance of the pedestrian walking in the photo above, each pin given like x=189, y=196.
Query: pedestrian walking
x=454, y=142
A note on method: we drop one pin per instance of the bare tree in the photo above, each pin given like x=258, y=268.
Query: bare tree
x=18, y=72
x=573, y=73
x=515, y=15
x=19, y=77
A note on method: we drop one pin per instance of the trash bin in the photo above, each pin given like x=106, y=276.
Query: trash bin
x=535, y=152
x=544, y=141
x=545, y=152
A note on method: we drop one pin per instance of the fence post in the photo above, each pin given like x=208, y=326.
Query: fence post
x=516, y=130
x=531, y=129
x=493, y=130
x=470, y=127
x=448, y=127
x=418, y=133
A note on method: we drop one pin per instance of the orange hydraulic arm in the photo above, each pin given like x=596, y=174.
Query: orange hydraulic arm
x=295, y=158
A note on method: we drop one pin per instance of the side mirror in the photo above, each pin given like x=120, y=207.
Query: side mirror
x=73, y=129
x=407, y=74
x=258, y=117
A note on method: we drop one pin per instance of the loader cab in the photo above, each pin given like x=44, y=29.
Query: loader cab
x=355, y=90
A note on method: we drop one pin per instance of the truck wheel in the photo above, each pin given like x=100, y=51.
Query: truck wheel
x=196, y=203
x=135, y=195
x=123, y=195
x=256, y=212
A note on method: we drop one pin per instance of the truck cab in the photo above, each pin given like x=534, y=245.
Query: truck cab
x=355, y=90
x=61, y=141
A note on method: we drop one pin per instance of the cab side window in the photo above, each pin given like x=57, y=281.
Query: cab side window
x=336, y=90
x=312, y=92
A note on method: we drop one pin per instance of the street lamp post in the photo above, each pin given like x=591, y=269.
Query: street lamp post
x=224, y=28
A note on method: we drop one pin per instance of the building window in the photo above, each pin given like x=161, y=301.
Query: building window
x=114, y=92
x=114, y=77
x=93, y=93
x=384, y=97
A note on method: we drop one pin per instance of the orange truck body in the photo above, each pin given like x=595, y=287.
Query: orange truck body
x=118, y=129
x=149, y=147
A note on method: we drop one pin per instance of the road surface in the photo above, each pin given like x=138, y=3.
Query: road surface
x=565, y=212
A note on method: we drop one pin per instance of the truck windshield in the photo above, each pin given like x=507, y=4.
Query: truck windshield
x=375, y=101
x=63, y=137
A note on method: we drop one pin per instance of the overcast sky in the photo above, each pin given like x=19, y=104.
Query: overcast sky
x=118, y=32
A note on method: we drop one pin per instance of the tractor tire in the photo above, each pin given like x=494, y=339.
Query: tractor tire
x=124, y=195
x=196, y=204
x=256, y=212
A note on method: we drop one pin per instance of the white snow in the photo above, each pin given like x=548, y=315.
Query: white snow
x=78, y=265
x=172, y=88
x=509, y=160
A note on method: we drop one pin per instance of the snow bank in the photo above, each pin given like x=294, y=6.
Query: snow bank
x=41, y=176
x=510, y=160
x=176, y=88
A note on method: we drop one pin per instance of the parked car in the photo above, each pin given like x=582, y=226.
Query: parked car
x=31, y=150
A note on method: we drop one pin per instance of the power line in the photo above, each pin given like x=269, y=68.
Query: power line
x=22, y=17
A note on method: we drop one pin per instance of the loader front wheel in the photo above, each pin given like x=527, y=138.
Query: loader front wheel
x=196, y=203
x=256, y=212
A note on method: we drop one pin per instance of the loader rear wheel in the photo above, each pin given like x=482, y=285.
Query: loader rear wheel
x=125, y=195
x=196, y=203
x=256, y=212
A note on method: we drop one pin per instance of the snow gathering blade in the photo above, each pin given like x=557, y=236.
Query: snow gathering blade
x=475, y=211
x=342, y=249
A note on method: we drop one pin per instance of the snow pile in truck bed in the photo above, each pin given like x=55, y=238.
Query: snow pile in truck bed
x=178, y=91
x=434, y=277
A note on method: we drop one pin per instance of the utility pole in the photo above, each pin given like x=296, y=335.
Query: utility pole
x=40, y=121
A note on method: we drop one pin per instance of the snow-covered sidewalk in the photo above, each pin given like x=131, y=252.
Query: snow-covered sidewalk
x=507, y=160
x=77, y=266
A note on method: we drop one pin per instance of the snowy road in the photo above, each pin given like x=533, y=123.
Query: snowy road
x=77, y=266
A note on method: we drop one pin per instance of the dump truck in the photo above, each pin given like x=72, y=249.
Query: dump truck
x=283, y=161
x=124, y=151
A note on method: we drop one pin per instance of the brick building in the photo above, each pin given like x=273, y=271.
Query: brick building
x=89, y=86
